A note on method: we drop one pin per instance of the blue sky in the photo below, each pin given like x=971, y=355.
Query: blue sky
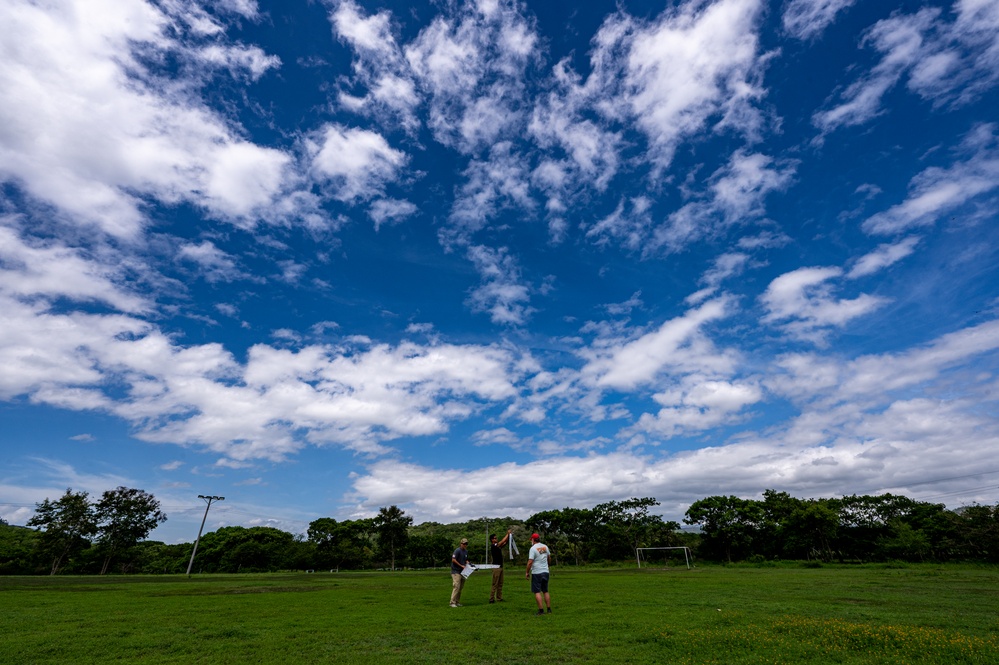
x=492, y=258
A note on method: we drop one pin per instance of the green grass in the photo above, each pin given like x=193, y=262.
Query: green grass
x=726, y=615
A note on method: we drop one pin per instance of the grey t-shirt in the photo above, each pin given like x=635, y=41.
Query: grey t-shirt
x=461, y=556
x=539, y=555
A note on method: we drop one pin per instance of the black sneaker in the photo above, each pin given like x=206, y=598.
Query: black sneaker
x=549, y=610
x=540, y=613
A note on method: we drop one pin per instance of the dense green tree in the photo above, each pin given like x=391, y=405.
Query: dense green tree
x=151, y=557
x=773, y=534
x=979, y=538
x=626, y=524
x=17, y=550
x=475, y=530
x=429, y=550
x=125, y=516
x=235, y=549
x=579, y=526
x=729, y=525
x=392, y=526
x=855, y=527
x=864, y=522
x=65, y=526
x=810, y=529
x=903, y=543
x=345, y=544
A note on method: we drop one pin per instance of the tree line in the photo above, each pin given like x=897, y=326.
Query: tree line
x=75, y=535
x=858, y=528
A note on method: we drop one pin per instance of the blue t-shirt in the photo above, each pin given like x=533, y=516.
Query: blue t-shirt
x=462, y=557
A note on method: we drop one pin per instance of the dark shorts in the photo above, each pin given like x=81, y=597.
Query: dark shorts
x=539, y=583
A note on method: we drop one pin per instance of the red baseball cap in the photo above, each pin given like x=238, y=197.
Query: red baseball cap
x=535, y=536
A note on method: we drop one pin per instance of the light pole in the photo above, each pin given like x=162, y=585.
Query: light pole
x=209, y=499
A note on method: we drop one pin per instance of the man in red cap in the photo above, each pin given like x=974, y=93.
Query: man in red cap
x=537, y=572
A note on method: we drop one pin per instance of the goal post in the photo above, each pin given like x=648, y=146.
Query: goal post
x=641, y=554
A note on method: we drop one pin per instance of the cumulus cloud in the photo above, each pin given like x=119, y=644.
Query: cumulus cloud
x=379, y=66
x=698, y=403
x=355, y=163
x=885, y=255
x=88, y=127
x=216, y=265
x=471, y=65
x=735, y=195
x=945, y=62
x=389, y=211
x=499, y=182
x=806, y=19
x=726, y=265
x=937, y=191
x=200, y=395
x=48, y=269
x=628, y=225
x=693, y=65
x=857, y=431
x=802, y=303
x=677, y=346
x=502, y=294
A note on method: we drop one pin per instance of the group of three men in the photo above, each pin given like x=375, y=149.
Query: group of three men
x=537, y=571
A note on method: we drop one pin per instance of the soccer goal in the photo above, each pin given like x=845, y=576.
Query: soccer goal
x=661, y=556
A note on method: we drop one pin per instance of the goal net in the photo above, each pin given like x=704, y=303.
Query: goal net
x=663, y=557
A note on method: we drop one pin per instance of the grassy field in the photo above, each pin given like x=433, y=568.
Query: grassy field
x=727, y=615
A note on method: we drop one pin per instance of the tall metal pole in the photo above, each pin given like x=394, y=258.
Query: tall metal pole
x=488, y=543
x=209, y=499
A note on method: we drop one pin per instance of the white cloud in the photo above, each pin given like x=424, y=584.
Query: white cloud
x=806, y=19
x=629, y=224
x=199, y=395
x=496, y=183
x=356, y=163
x=239, y=59
x=697, y=403
x=801, y=303
x=678, y=346
x=390, y=211
x=885, y=255
x=559, y=121
x=471, y=65
x=937, y=191
x=216, y=264
x=695, y=64
x=859, y=430
x=379, y=66
x=50, y=270
x=502, y=294
x=735, y=195
x=946, y=62
x=725, y=266
x=87, y=127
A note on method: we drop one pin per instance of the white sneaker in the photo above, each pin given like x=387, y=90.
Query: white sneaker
x=454, y=605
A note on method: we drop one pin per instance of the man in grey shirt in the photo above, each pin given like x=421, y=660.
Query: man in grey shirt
x=537, y=572
x=458, y=562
